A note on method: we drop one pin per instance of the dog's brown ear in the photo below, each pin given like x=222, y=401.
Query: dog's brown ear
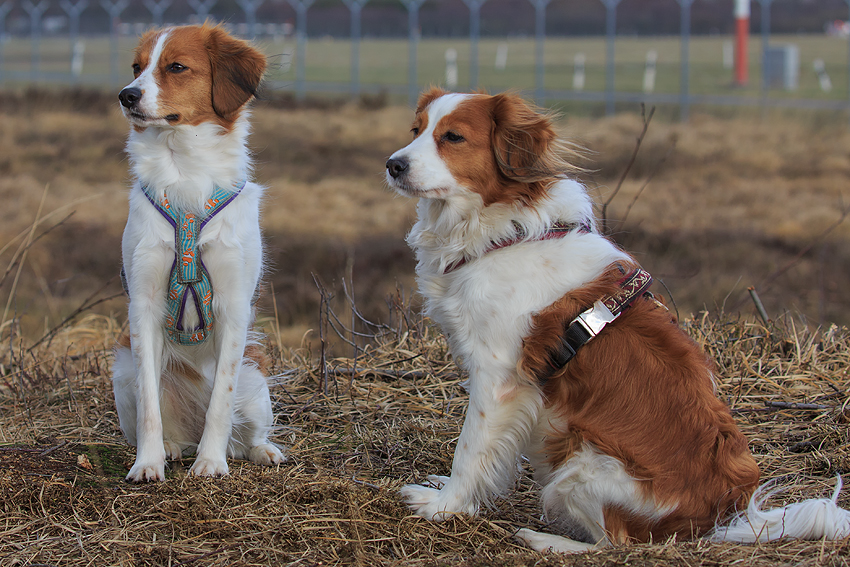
x=237, y=69
x=523, y=140
x=427, y=97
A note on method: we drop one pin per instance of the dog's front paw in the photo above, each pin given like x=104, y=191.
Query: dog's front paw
x=433, y=504
x=147, y=471
x=266, y=454
x=204, y=466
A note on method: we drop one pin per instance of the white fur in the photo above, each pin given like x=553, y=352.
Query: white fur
x=230, y=412
x=815, y=518
x=146, y=82
x=485, y=309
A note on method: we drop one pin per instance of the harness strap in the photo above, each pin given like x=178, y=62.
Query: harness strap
x=590, y=322
x=188, y=275
x=557, y=230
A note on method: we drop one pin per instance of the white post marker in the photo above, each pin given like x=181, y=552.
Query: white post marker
x=728, y=54
x=578, y=72
x=502, y=56
x=649, y=71
x=823, y=77
x=77, y=57
x=451, y=68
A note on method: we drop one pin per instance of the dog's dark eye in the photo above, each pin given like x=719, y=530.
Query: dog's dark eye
x=453, y=137
x=176, y=67
x=137, y=69
x=415, y=131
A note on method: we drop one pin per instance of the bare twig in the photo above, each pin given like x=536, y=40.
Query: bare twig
x=646, y=120
x=30, y=236
x=796, y=406
x=655, y=170
x=415, y=374
x=770, y=279
x=323, y=318
x=845, y=210
x=84, y=306
x=27, y=245
x=759, y=305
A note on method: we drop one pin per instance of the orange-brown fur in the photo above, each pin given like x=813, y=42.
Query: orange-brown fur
x=642, y=392
x=214, y=84
x=515, y=163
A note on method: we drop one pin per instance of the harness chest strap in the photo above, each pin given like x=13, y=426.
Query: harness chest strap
x=590, y=322
x=188, y=274
x=557, y=230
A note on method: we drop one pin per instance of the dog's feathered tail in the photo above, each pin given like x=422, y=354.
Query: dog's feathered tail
x=812, y=519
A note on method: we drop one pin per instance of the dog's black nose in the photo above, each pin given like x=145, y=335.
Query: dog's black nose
x=396, y=166
x=129, y=96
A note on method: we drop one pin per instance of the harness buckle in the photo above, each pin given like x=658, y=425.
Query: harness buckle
x=594, y=319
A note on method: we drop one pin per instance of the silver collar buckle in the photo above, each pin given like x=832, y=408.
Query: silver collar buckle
x=594, y=319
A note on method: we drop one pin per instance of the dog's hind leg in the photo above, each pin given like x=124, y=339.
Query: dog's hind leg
x=253, y=419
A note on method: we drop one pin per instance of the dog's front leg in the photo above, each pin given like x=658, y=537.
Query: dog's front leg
x=147, y=343
x=501, y=414
x=230, y=336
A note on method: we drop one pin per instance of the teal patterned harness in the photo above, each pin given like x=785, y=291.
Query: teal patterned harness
x=189, y=276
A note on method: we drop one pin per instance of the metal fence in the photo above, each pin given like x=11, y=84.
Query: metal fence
x=84, y=42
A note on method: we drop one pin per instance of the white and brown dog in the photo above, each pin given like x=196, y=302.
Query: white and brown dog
x=570, y=362
x=189, y=377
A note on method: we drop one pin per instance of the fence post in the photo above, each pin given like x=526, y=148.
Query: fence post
x=250, y=9
x=474, y=34
x=35, y=11
x=413, y=40
x=5, y=7
x=765, y=37
x=202, y=8
x=610, y=34
x=301, y=7
x=355, y=7
x=157, y=10
x=114, y=10
x=73, y=11
x=539, y=38
x=684, y=80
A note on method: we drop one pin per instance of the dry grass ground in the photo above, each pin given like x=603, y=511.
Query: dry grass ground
x=389, y=417
x=712, y=221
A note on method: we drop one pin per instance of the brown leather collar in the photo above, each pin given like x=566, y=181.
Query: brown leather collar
x=590, y=322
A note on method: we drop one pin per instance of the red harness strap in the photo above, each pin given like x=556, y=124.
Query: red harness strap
x=557, y=230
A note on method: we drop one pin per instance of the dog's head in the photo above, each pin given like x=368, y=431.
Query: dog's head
x=498, y=147
x=189, y=75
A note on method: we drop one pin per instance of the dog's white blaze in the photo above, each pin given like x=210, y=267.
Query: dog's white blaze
x=427, y=172
x=146, y=82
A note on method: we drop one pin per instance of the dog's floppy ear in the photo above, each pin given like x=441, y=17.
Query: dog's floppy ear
x=523, y=140
x=237, y=69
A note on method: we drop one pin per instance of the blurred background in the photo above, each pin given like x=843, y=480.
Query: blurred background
x=738, y=181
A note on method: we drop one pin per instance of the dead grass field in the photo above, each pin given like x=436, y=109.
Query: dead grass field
x=735, y=202
x=390, y=416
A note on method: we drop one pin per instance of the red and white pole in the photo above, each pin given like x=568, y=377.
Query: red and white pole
x=742, y=36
